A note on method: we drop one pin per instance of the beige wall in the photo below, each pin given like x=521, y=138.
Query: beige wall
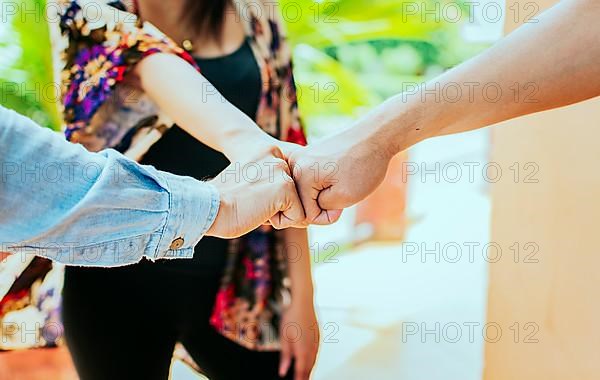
x=559, y=295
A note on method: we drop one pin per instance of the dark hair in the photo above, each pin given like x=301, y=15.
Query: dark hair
x=205, y=16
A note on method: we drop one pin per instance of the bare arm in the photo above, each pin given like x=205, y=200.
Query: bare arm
x=196, y=106
x=299, y=329
x=554, y=62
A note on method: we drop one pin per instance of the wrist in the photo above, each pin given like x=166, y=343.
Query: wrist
x=402, y=121
x=400, y=126
x=223, y=213
x=247, y=144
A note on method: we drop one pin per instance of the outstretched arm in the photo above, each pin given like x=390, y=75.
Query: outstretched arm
x=196, y=106
x=552, y=63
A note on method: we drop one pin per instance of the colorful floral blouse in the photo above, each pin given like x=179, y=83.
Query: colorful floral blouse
x=105, y=41
x=110, y=112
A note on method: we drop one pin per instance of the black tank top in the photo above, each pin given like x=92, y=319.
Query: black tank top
x=237, y=77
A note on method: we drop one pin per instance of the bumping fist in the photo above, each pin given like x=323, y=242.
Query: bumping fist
x=336, y=173
x=254, y=193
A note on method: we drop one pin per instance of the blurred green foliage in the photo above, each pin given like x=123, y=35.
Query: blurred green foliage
x=352, y=54
x=26, y=69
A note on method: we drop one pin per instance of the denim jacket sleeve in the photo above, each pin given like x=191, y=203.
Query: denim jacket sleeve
x=59, y=201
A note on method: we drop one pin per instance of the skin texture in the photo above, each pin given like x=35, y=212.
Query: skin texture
x=552, y=63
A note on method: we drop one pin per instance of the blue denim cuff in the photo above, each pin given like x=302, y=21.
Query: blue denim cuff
x=193, y=207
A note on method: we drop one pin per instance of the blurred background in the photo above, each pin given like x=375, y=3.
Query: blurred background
x=402, y=280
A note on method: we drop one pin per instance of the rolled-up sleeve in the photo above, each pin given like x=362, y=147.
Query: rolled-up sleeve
x=62, y=202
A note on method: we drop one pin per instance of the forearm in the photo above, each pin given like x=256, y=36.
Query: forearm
x=298, y=258
x=544, y=65
x=98, y=209
x=196, y=106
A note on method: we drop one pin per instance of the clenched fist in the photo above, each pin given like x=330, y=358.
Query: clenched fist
x=336, y=173
x=256, y=192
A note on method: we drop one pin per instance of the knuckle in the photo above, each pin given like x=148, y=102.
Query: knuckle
x=279, y=163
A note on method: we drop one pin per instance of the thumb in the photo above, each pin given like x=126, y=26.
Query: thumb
x=333, y=201
x=327, y=217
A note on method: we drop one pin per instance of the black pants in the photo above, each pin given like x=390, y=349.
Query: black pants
x=123, y=323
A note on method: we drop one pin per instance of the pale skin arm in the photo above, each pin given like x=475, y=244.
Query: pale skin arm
x=556, y=61
x=193, y=103
x=300, y=316
x=558, y=58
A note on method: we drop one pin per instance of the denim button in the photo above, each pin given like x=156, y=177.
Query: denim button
x=177, y=243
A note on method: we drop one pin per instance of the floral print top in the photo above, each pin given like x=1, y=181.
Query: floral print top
x=101, y=51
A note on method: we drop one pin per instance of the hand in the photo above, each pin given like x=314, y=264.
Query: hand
x=335, y=173
x=256, y=192
x=299, y=340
